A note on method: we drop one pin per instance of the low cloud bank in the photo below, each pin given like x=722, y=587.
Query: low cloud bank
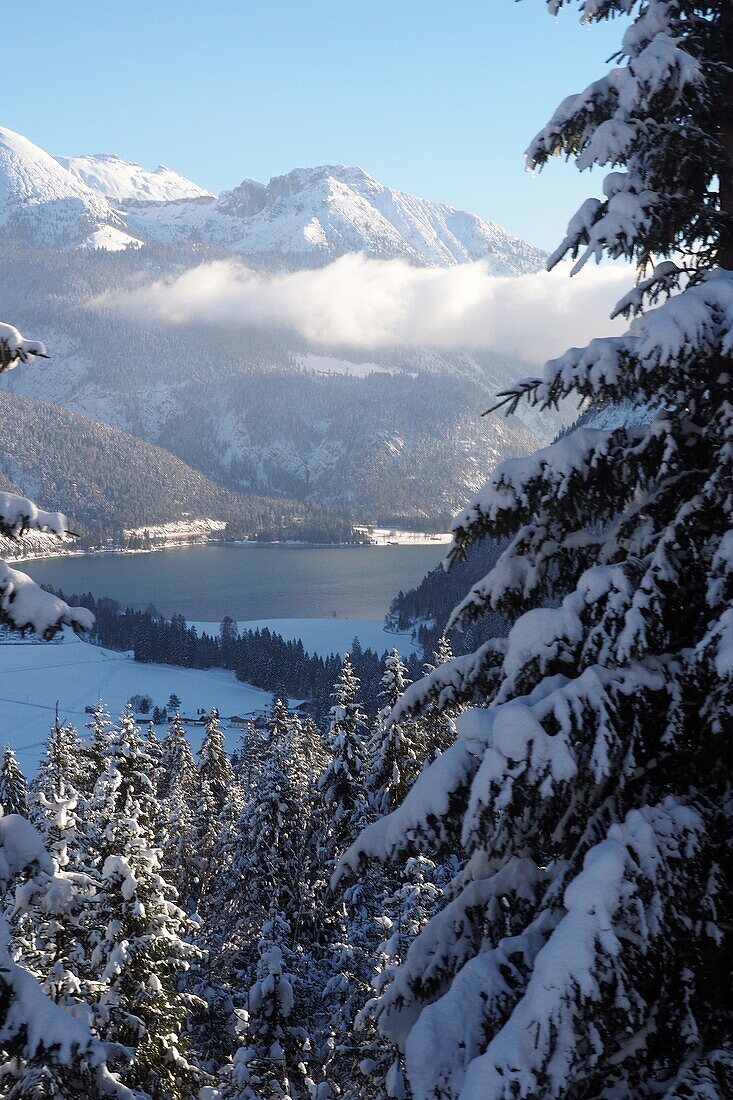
x=364, y=304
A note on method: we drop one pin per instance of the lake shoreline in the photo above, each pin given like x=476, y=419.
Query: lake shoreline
x=186, y=544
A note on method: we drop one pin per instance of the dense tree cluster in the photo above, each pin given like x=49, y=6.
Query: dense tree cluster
x=192, y=923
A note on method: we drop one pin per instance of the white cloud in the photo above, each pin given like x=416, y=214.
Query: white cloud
x=366, y=304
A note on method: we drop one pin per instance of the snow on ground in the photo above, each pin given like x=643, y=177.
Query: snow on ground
x=388, y=536
x=110, y=239
x=328, y=364
x=325, y=636
x=178, y=529
x=35, y=676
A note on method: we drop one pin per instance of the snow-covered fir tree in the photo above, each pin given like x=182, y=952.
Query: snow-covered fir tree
x=127, y=758
x=140, y=952
x=276, y=825
x=47, y=1047
x=343, y=782
x=213, y=789
x=583, y=950
x=96, y=747
x=438, y=718
x=215, y=767
x=404, y=913
x=272, y=1062
x=395, y=749
x=178, y=790
x=64, y=765
x=177, y=764
x=154, y=753
x=13, y=787
x=49, y=936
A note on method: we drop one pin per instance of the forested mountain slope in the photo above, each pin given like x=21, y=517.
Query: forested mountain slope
x=111, y=479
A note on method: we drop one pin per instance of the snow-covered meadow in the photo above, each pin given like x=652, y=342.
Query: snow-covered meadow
x=34, y=677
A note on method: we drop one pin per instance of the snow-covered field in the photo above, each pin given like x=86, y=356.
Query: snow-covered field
x=324, y=636
x=34, y=677
x=389, y=536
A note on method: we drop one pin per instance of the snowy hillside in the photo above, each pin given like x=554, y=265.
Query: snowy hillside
x=333, y=210
x=121, y=181
x=42, y=203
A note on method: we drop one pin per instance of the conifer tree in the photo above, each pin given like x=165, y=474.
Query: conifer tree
x=49, y=937
x=312, y=748
x=405, y=912
x=94, y=749
x=127, y=760
x=395, y=751
x=214, y=782
x=438, y=719
x=275, y=840
x=141, y=953
x=179, y=779
x=583, y=950
x=343, y=782
x=46, y=1042
x=13, y=787
x=154, y=753
x=272, y=1063
x=177, y=763
x=215, y=768
x=63, y=765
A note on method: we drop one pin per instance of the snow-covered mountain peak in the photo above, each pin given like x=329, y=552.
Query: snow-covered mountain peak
x=337, y=208
x=41, y=202
x=29, y=177
x=123, y=181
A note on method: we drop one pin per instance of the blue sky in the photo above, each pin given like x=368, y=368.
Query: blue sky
x=439, y=99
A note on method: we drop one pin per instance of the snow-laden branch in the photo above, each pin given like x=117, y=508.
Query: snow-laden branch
x=25, y=606
x=29, y=1019
x=19, y=515
x=15, y=349
x=660, y=351
x=620, y=898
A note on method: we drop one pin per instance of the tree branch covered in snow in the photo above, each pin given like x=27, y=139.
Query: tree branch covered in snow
x=23, y=604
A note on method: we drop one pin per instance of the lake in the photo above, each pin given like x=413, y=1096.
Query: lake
x=248, y=582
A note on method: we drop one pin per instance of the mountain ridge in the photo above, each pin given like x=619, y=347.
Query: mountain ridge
x=331, y=210
x=307, y=215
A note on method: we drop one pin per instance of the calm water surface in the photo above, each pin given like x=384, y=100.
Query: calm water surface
x=248, y=582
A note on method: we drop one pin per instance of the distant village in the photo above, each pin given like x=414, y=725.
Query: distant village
x=145, y=711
